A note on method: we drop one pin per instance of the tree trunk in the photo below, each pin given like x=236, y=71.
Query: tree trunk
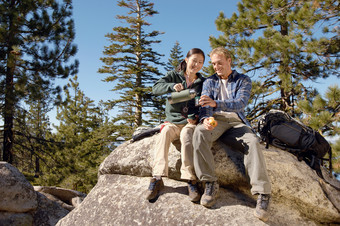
x=138, y=95
x=37, y=167
x=284, y=69
x=8, y=112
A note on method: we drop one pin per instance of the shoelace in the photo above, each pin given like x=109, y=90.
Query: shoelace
x=264, y=201
x=209, y=188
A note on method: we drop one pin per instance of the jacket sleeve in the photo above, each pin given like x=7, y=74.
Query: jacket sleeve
x=206, y=112
x=165, y=84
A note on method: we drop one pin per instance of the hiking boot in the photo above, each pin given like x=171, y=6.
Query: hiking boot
x=154, y=188
x=210, y=194
x=194, y=195
x=262, y=207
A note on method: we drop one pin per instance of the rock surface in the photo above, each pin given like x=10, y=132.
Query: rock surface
x=119, y=200
x=16, y=193
x=49, y=212
x=67, y=198
x=299, y=196
x=21, y=204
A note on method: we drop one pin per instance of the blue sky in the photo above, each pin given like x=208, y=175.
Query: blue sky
x=190, y=22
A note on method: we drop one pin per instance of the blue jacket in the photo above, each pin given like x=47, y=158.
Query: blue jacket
x=239, y=89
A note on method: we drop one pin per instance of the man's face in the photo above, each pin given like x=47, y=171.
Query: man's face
x=222, y=66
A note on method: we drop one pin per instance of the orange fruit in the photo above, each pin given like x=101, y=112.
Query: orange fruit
x=212, y=121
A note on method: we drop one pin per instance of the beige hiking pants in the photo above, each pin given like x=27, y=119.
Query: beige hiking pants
x=169, y=133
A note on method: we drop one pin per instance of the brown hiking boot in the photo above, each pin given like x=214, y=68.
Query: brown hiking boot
x=154, y=188
x=194, y=195
x=210, y=194
x=262, y=207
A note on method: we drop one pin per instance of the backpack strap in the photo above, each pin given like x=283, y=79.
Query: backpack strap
x=329, y=159
x=317, y=166
x=267, y=142
x=147, y=133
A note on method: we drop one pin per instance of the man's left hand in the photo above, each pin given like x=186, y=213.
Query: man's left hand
x=207, y=101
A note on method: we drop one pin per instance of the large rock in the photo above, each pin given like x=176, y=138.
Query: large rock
x=299, y=196
x=16, y=193
x=49, y=212
x=67, y=198
x=23, y=204
x=10, y=218
x=119, y=200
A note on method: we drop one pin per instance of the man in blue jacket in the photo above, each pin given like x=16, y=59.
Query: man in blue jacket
x=224, y=97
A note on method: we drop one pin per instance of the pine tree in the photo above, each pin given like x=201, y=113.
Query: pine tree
x=207, y=71
x=85, y=138
x=158, y=112
x=33, y=143
x=323, y=114
x=35, y=48
x=176, y=56
x=284, y=43
x=336, y=159
x=131, y=63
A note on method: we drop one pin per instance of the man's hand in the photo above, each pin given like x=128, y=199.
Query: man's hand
x=207, y=101
x=207, y=124
x=178, y=87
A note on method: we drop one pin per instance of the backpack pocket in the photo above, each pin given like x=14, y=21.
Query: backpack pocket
x=288, y=133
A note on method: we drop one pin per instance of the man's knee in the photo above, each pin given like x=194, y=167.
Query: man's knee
x=202, y=137
x=200, y=129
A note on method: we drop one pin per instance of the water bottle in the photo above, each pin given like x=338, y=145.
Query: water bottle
x=184, y=95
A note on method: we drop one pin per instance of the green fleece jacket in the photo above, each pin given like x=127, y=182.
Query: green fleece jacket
x=174, y=112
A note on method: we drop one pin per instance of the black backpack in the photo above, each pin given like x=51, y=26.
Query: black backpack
x=281, y=130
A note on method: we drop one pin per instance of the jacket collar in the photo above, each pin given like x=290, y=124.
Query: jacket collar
x=199, y=76
x=232, y=76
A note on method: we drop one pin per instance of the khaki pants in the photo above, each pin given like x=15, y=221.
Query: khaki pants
x=240, y=137
x=169, y=133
